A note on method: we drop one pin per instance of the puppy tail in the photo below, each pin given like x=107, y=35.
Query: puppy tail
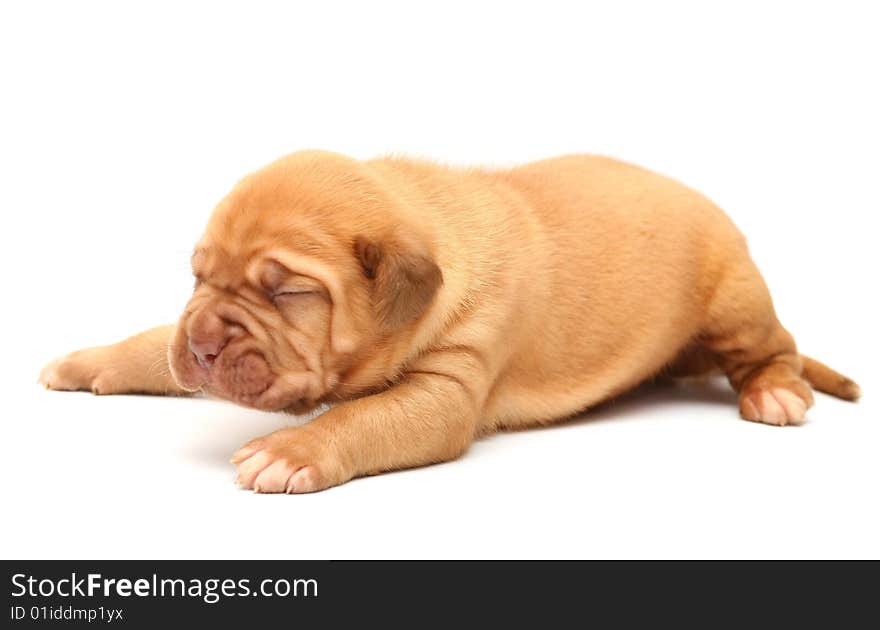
x=823, y=378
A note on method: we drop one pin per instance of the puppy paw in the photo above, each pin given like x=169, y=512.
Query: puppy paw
x=776, y=404
x=294, y=460
x=86, y=370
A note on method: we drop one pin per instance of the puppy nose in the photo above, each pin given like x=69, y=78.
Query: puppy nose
x=208, y=335
x=205, y=350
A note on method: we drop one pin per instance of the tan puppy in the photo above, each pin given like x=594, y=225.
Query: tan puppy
x=437, y=304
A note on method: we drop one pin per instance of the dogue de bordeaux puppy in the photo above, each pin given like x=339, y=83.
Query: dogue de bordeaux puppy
x=429, y=305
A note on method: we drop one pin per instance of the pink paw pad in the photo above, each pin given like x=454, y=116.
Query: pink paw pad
x=777, y=406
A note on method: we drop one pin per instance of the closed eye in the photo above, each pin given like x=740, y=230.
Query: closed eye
x=291, y=293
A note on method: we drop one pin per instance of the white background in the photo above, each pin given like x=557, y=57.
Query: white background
x=121, y=126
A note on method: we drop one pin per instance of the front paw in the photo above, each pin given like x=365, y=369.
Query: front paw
x=292, y=460
x=87, y=370
x=776, y=403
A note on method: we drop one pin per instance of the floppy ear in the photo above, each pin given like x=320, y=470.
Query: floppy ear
x=403, y=275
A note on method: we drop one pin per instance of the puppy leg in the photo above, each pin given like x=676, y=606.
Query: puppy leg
x=758, y=355
x=138, y=364
x=427, y=418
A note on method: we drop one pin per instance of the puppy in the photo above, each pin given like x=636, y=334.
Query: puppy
x=431, y=305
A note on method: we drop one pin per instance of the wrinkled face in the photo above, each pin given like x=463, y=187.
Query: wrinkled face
x=259, y=337
x=290, y=292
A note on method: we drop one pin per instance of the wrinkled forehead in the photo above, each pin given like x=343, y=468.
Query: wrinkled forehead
x=243, y=228
x=266, y=209
x=241, y=232
x=250, y=246
x=265, y=268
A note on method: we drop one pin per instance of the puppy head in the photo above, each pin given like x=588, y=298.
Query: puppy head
x=306, y=269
